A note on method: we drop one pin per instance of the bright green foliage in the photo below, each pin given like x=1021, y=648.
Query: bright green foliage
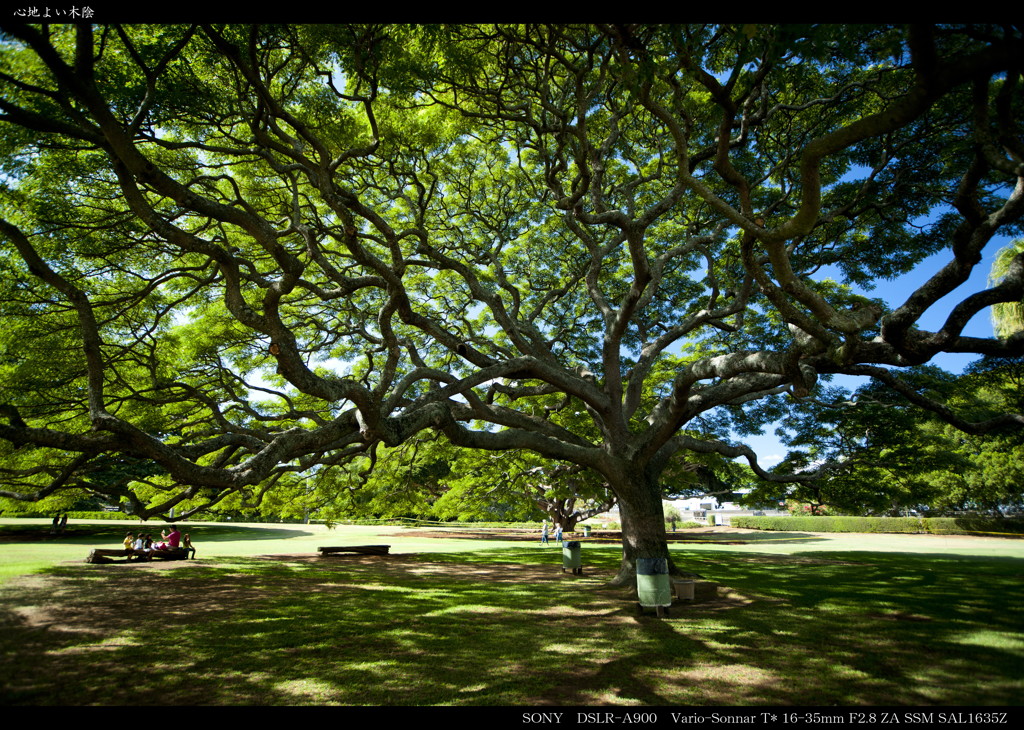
x=1007, y=317
x=429, y=478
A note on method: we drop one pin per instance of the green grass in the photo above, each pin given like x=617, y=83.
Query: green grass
x=26, y=545
x=804, y=620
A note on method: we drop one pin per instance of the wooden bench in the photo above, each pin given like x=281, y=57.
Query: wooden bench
x=363, y=549
x=107, y=555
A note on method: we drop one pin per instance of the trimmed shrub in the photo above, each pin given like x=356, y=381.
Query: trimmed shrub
x=969, y=525
x=80, y=515
x=689, y=525
x=101, y=516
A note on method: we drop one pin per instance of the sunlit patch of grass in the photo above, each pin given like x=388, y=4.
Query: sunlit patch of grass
x=993, y=639
x=114, y=643
x=309, y=690
x=12, y=570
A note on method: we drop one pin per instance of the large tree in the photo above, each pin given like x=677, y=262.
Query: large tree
x=239, y=252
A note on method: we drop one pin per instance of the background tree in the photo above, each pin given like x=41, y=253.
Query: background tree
x=523, y=484
x=241, y=253
x=871, y=451
x=1007, y=317
x=874, y=453
x=992, y=474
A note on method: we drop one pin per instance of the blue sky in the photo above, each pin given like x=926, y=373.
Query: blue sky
x=768, y=447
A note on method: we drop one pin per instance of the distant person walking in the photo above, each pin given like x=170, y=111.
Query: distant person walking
x=544, y=534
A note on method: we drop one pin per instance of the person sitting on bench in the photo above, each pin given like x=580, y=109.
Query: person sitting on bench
x=171, y=539
x=143, y=546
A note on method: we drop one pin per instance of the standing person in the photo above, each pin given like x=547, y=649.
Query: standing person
x=544, y=534
x=558, y=533
x=56, y=524
x=63, y=522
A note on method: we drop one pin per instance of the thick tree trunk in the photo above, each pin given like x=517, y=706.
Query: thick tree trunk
x=561, y=512
x=643, y=526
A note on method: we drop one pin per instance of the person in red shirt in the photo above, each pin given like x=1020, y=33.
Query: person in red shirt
x=171, y=539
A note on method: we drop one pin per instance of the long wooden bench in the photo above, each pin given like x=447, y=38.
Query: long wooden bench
x=108, y=555
x=363, y=549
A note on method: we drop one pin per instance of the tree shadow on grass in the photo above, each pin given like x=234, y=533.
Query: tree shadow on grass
x=231, y=533
x=503, y=627
x=928, y=629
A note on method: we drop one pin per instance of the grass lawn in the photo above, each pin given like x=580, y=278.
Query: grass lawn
x=799, y=620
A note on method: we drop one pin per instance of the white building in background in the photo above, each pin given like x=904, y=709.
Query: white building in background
x=697, y=509
x=697, y=504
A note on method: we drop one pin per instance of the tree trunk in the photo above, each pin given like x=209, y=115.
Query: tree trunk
x=561, y=511
x=643, y=526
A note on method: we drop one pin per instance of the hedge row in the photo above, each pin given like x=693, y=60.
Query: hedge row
x=932, y=525
x=970, y=525
x=97, y=515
